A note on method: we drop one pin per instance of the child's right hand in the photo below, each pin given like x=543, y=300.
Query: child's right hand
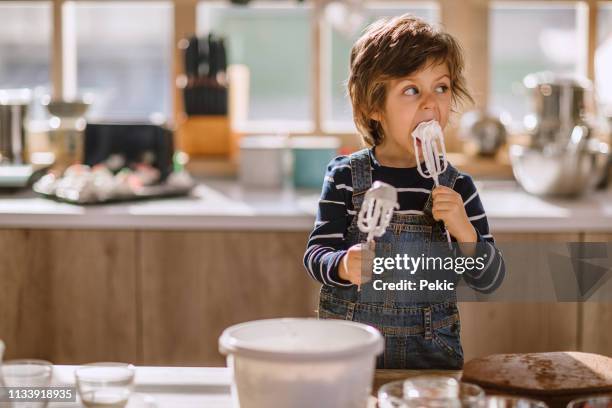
x=352, y=261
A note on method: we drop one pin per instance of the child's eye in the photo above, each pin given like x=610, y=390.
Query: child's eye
x=410, y=91
x=442, y=89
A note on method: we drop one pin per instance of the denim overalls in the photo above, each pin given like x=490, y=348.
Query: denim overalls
x=418, y=335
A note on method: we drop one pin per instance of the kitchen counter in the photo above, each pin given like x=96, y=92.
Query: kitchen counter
x=178, y=387
x=225, y=205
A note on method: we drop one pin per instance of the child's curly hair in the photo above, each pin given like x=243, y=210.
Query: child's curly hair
x=394, y=48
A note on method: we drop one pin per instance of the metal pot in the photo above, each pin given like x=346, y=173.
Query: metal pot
x=559, y=102
x=486, y=132
x=13, y=111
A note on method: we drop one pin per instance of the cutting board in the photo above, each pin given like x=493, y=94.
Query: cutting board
x=555, y=378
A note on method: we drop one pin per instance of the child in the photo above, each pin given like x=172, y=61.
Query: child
x=403, y=72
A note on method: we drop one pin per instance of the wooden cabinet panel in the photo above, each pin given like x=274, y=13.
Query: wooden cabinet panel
x=195, y=284
x=513, y=327
x=20, y=304
x=72, y=295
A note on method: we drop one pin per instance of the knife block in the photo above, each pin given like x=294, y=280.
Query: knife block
x=208, y=135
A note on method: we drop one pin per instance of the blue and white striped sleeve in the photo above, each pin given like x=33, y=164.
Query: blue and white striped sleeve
x=326, y=244
x=492, y=275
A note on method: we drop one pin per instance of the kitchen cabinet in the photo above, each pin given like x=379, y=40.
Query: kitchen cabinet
x=69, y=295
x=195, y=284
x=163, y=297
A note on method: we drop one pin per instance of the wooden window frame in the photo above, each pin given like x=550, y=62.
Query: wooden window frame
x=469, y=24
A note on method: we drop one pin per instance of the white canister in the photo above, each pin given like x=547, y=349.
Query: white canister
x=301, y=363
x=263, y=161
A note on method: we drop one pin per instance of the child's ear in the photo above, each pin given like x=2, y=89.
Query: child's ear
x=376, y=116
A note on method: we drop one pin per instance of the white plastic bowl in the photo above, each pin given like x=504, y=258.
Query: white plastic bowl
x=295, y=363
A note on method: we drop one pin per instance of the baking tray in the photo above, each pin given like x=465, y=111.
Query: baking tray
x=155, y=191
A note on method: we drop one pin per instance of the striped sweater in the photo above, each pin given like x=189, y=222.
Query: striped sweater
x=327, y=244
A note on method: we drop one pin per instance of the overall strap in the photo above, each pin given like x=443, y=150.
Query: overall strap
x=361, y=172
x=448, y=179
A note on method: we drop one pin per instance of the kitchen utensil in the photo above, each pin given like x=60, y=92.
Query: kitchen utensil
x=555, y=378
x=373, y=219
x=12, y=133
x=429, y=135
x=13, y=112
x=105, y=384
x=205, y=86
x=27, y=373
x=559, y=102
x=301, y=363
x=191, y=56
x=485, y=133
x=311, y=154
x=263, y=161
x=15, y=170
x=377, y=209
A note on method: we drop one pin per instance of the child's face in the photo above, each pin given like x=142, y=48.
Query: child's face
x=420, y=97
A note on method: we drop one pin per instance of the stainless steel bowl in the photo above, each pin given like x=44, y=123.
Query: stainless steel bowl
x=560, y=172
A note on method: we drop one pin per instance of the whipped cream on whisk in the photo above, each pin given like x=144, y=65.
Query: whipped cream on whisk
x=377, y=209
x=373, y=219
x=432, y=143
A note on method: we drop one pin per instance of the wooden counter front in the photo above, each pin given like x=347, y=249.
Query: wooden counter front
x=164, y=297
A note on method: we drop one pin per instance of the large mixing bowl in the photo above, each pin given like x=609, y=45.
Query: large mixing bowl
x=559, y=172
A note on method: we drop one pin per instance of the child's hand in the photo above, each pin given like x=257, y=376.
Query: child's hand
x=350, y=265
x=448, y=207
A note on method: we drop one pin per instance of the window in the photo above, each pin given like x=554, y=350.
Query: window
x=124, y=56
x=25, y=49
x=603, y=56
x=339, y=112
x=274, y=40
x=525, y=37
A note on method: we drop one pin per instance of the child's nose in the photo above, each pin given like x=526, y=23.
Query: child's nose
x=428, y=101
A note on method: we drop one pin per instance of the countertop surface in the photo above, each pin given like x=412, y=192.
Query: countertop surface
x=225, y=205
x=187, y=387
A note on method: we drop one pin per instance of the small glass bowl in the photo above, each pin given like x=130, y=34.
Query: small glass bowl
x=26, y=373
x=105, y=384
x=430, y=391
